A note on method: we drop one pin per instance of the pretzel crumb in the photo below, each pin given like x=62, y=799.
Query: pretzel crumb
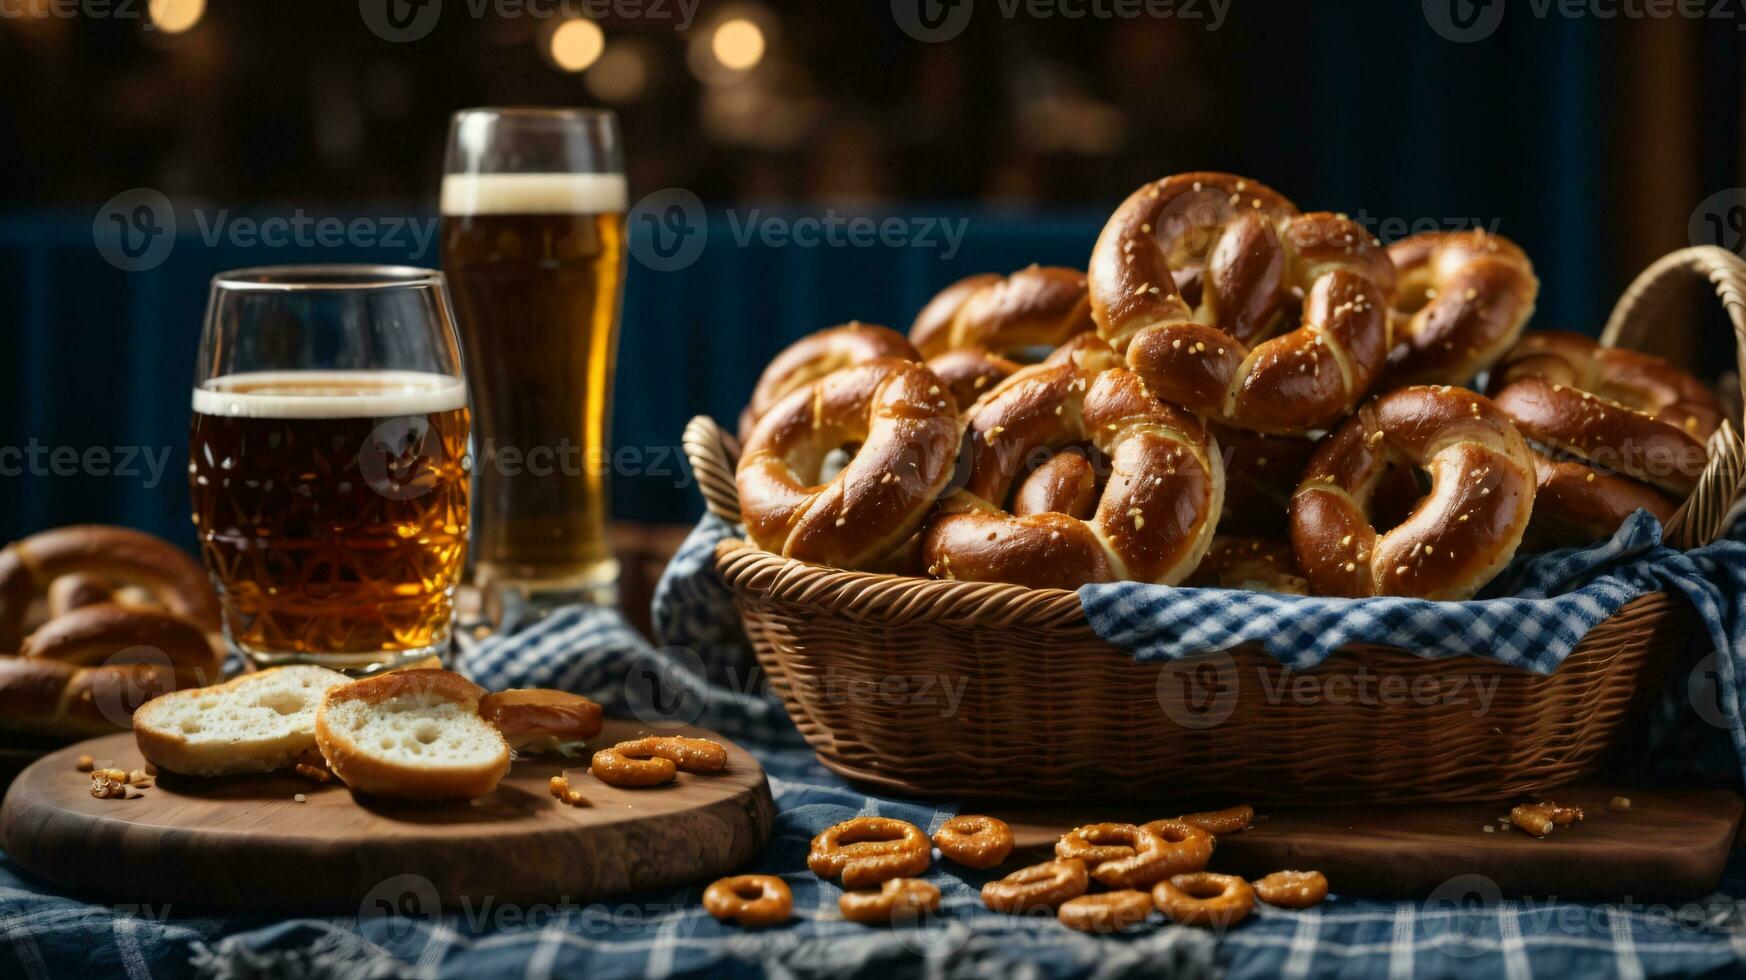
x=1620, y=803
x=299, y=798
x=85, y=764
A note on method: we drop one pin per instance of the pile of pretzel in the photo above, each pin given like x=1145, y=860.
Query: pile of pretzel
x=95, y=621
x=1235, y=394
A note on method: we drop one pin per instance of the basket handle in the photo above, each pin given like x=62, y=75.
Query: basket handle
x=713, y=452
x=1644, y=308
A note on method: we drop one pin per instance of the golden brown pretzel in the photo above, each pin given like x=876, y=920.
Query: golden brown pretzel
x=1065, y=483
x=1258, y=260
x=1217, y=230
x=1460, y=535
x=1575, y=503
x=816, y=355
x=1631, y=421
x=907, y=428
x=1462, y=300
x=49, y=697
x=1154, y=518
x=28, y=567
x=1609, y=436
x=1037, y=306
x=1643, y=382
x=1256, y=564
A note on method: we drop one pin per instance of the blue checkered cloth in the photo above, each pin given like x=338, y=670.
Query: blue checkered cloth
x=702, y=673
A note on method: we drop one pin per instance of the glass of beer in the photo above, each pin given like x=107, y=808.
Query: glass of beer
x=329, y=463
x=533, y=206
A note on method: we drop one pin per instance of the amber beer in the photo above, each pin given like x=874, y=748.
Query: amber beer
x=535, y=263
x=331, y=508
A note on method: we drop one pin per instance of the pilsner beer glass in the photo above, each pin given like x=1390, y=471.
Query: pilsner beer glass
x=329, y=463
x=533, y=237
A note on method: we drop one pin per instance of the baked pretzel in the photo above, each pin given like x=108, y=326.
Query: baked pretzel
x=117, y=555
x=1256, y=564
x=1261, y=260
x=907, y=429
x=1575, y=503
x=1037, y=306
x=1212, y=230
x=1610, y=437
x=1609, y=425
x=1462, y=300
x=1154, y=518
x=1644, y=382
x=1204, y=899
x=754, y=901
x=95, y=659
x=816, y=355
x=1460, y=535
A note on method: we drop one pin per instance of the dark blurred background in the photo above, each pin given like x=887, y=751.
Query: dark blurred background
x=1597, y=142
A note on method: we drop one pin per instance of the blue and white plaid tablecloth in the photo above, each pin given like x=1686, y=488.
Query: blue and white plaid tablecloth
x=704, y=675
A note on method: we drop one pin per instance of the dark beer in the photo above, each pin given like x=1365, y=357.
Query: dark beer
x=332, y=510
x=535, y=263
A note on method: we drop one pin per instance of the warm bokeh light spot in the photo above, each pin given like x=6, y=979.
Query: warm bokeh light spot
x=176, y=16
x=576, y=44
x=738, y=44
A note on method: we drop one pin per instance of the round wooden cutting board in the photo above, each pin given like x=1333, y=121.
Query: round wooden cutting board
x=244, y=842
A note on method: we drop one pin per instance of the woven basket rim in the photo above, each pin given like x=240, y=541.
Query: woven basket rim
x=900, y=599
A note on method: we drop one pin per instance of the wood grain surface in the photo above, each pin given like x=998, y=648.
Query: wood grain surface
x=1671, y=844
x=246, y=843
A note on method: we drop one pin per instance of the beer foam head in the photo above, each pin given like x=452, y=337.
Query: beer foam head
x=469, y=194
x=329, y=394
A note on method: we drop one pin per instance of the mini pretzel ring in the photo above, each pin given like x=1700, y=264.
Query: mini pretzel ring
x=1106, y=912
x=863, y=839
x=755, y=901
x=899, y=899
x=1292, y=889
x=614, y=768
x=1040, y=886
x=974, y=841
x=1161, y=848
x=1205, y=899
x=1226, y=821
x=1096, y=843
x=689, y=754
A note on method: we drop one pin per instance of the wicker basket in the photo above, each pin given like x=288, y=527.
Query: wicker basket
x=986, y=691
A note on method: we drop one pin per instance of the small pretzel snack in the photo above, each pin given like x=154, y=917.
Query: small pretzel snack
x=1205, y=899
x=974, y=841
x=1106, y=912
x=1292, y=889
x=867, y=851
x=1040, y=886
x=899, y=900
x=1227, y=821
x=1150, y=855
x=689, y=754
x=754, y=901
x=614, y=768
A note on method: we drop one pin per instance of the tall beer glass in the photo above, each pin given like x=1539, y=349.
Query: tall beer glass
x=329, y=467
x=533, y=205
